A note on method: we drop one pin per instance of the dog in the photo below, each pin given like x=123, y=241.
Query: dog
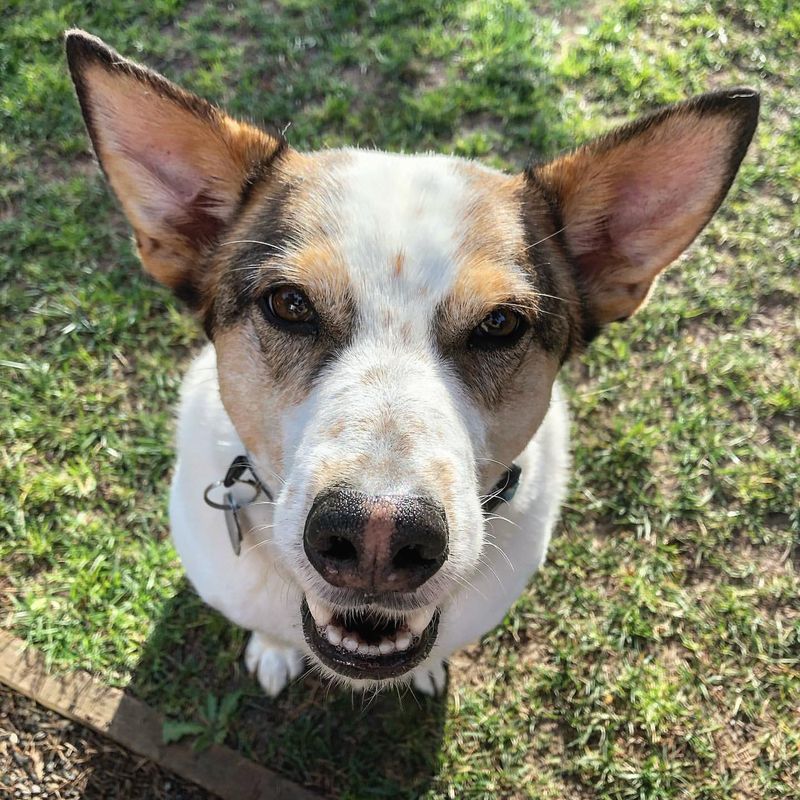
x=373, y=447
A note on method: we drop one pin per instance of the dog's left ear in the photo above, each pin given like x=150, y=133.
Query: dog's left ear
x=630, y=202
x=177, y=164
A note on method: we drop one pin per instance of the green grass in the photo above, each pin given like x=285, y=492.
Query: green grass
x=656, y=654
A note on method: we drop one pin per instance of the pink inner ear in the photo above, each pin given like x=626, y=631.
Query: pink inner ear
x=180, y=194
x=662, y=193
x=176, y=176
x=169, y=166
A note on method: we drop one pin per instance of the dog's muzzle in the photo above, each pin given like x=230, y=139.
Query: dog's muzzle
x=375, y=548
x=372, y=549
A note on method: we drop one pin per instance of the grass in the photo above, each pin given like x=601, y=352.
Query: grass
x=656, y=654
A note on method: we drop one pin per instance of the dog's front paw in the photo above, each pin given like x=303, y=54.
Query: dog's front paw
x=272, y=663
x=430, y=679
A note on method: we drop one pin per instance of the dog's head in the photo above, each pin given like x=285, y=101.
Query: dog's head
x=388, y=327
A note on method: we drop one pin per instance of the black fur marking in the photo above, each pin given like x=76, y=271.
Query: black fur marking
x=556, y=325
x=262, y=170
x=188, y=293
x=235, y=286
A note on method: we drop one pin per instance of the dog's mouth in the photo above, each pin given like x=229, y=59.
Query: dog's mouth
x=366, y=644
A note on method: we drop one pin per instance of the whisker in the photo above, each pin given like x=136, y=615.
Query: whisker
x=262, y=528
x=502, y=519
x=494, y=461
x=556, y=297
x=255, y=546
x=468, y=585
x=254, y=241
x=407, y=691
x=488, y=566
x=555, y=233
x=502, y=553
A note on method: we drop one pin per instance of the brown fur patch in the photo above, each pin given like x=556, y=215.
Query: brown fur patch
x=399, y=262
x=254, y=400
x=524, y=405
x=506, y=258
x=490, y=223
x=441, y=475
x=483, y=284
x=338, y=472
x=336, y=430
x=374, y=374
x=406, y=332
x=285, y=234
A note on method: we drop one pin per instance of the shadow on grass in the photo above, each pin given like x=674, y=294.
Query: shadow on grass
x=328, y=739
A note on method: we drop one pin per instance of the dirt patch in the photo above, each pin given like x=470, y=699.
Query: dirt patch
x=44, y=755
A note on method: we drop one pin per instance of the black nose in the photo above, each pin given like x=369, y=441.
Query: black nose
x=389, y=543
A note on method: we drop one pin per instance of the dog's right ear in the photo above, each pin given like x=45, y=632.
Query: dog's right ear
x=177, y=164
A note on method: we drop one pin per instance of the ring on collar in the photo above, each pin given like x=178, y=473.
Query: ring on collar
x=231, y=502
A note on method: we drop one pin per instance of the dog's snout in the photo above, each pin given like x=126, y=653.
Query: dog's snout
x=388, y=543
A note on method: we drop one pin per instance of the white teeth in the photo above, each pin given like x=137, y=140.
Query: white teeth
x=334, y=635
x=321, y=613
x=419, y=620
x=339, y=636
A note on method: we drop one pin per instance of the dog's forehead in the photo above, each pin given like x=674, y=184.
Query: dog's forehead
x=411, y=228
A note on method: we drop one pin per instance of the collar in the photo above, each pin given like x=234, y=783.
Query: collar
x=502, y=492
x=238, y=467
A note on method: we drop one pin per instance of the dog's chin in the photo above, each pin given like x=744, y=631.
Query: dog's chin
x=366, y=644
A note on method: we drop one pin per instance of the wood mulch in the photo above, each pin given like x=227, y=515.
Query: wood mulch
x=46, y=756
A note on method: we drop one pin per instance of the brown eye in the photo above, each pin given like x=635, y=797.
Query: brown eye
x=501, y=327
x=288, y=307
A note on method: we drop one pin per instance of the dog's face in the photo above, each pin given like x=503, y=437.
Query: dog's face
x=385, y=342
x=388, y=328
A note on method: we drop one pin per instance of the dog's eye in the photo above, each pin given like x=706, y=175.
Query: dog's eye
x=289, y=307
x=501, y=327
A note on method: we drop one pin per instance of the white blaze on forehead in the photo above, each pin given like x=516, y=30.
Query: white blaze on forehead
x=387, y=415
x=396, y=206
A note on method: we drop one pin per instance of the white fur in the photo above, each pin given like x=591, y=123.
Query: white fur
x=255, y=593
x=386, y=204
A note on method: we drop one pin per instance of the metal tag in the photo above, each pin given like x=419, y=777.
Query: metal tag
x=232, y=521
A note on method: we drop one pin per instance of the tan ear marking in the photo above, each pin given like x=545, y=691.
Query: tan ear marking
x=178, y=165
x=631, y=201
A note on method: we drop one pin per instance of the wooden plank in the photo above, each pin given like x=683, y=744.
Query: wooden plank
x=137, y=727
